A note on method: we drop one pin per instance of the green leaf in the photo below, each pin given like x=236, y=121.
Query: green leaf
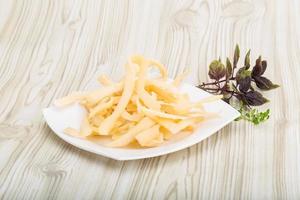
x=247, y=60
x=216, y=70
x=228, y=68
x=236, y=56
x=253, y=115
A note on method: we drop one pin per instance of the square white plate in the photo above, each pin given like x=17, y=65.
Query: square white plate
x=60, y=118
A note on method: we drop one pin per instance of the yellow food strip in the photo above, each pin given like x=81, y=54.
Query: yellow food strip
x=161, y=68
x=147, y=99
x=100, y=107
x=96, y=120
x=104, y=80
x=146, y=136
x=73, y=132
x=95, y=96
x=155, y=142
x=71, y=98
x=108, y=122
x=128, y=137
x=175, y=109
x=162, y=92
x=85, y=129
x=132, y=117
x=175, y=127
x=166, y=133
x=149, y=112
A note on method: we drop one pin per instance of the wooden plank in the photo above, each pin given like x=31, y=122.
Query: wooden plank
x=49, y=48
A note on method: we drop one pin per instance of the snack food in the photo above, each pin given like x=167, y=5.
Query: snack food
x=137, y=109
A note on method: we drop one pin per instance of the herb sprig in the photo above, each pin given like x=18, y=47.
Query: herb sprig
x=242, y=85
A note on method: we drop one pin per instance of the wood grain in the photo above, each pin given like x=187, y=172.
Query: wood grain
x=49, y=48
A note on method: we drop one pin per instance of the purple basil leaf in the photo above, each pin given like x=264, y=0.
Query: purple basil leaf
x=242, y=98
x=228, y=68
x=257, y=69
x=254, y=98
x=247, y=60
x=244, y=84
x=264, y=66
x=216, y=70
x=236, y=56
x=238, y=76
x=243, y=78
x=264, y=84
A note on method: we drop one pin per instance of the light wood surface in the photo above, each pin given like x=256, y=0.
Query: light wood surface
x=49, y=48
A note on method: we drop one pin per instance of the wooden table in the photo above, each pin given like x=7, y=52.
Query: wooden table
x=49, y=48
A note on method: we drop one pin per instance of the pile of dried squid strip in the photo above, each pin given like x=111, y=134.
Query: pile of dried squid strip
x=138, y=109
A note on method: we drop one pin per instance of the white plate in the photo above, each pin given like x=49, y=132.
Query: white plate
x=60, y=118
